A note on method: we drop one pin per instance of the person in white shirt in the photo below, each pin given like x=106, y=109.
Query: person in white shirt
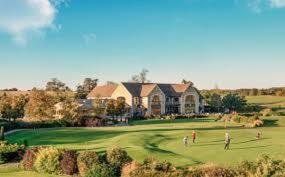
x=227, y=141
x=185, y=141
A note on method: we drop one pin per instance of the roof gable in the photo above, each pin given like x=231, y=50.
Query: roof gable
x=102, y=91
x=133, y=88
x=147, y=89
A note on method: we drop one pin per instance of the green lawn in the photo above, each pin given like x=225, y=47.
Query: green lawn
x=16, y=172
x=268, y=101
x=163, y=139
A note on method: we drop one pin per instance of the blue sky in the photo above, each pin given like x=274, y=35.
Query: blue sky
x=231, y=43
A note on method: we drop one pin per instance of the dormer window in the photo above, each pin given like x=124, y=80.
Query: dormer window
x=136, y=100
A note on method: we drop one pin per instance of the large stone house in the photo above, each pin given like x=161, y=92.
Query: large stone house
x=152, y=98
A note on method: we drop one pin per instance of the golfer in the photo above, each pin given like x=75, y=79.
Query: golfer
x=185, y=141
x=227, y=141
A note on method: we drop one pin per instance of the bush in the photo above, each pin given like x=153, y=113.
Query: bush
x=100, y=170
x=264, y=166
x=117, y=158
x=267, y=112
x=269, y=167
x=29, y=158
x=86, y=160
x=10, y=152
x=48, y=160
x=212, y=171
x=68, y=163
x=128, y=168
x=152, y=167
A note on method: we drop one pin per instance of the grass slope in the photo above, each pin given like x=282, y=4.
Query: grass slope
x=163, y=139
x=16, y=172
x=268, y=101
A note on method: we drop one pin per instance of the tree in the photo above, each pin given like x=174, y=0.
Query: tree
x=99, y=107
x=141, y=77
x=5, y=107
x=56, y=85
x=88, y=85
x=111, y=83
x=234, y=102
x=215, y=102
x=40, y=106
x=184, y=81
x=120, y=106
x=12, y=107
x=18, y=104
x=70, y=111
x=111, y=108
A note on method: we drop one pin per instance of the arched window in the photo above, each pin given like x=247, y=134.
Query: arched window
x=190, y=104
x=155, y=100
x=155, y=105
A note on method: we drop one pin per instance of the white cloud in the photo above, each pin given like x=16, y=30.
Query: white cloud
x=261, y=5
x=277, y=3
x=89, y=38
x=23, y=18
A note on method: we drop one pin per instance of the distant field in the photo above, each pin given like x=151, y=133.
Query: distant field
x=268, y=101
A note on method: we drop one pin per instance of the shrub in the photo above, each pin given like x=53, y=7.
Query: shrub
x=100, y=170
x=29, y=158
x=48, y=160
x=10, y=152
x=68, y=163
x=267, y=112
x=86, y=160
x=210, y=170
x=269, y=167
x=117, y=158
x=263, y=166
x=152, y=167
x=128, y=168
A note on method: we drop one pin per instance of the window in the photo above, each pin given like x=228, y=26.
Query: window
x=136, y=101
x=168, y=99
x=176, y=99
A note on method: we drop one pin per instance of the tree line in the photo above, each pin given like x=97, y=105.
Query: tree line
x=274, y=91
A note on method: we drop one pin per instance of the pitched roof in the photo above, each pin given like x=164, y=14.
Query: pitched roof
x=141, y=89
x=146, y=89
x=133, y=88
x=171, y=90
x=102, y=91
x=180, y=88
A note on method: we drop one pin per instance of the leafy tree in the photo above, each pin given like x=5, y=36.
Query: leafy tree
x=111, y=108
x=234, y=102
x=184, y=81
x=56, y=85
x=120, y=106
x=141, y=77
x=5, y=107
x=18, y=104
x=70, y=111
x=12, y=107
x=215, y=102
x=111, y=83
x=40, y=105
x=88, y=85
x=99, y=107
